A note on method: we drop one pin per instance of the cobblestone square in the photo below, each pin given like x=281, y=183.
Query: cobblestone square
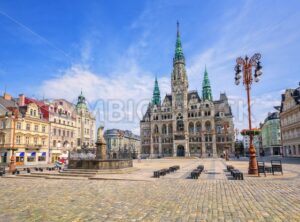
x=138, y=197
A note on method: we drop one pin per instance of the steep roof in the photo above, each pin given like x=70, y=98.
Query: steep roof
x=193, y=94
x=295, y=93
x=43, y=106
x=8, y=103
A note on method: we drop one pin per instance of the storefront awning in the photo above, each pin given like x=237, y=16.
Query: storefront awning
x=42, y=154
x=21, y=154
x=31, y=154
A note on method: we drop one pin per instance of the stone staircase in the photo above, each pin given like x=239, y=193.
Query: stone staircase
x=75, y=173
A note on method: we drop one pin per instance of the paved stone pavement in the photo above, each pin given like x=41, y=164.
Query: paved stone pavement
x=172, y=198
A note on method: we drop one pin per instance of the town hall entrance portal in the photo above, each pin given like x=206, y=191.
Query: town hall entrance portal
x=180, y=150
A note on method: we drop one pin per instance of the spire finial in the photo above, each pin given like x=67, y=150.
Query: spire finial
x=206, y=88
x=156, y=93
x=178, y=48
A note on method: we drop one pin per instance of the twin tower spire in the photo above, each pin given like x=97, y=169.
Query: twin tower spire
x=179, y=58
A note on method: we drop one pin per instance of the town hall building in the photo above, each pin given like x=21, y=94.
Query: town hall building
x=185, y=124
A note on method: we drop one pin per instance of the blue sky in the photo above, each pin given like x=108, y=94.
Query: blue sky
x=112, y=50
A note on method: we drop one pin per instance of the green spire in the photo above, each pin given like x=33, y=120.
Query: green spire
x=178, y=49
x=81, y=102
x=206, y=89
x=156, y=93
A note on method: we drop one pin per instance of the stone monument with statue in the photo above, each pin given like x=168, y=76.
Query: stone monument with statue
x=98, y=161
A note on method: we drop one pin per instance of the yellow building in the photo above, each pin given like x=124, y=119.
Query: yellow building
x=24, y=130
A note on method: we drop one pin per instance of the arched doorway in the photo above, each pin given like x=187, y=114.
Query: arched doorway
x=180, y=150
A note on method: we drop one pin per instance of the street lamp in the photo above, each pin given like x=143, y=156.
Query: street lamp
x=247, y=65
x=225, y=126
x=14, y=117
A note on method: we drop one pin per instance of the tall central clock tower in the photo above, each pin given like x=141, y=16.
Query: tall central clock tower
x=179, y=86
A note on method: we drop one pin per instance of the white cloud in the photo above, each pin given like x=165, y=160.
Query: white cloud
x=131, y=90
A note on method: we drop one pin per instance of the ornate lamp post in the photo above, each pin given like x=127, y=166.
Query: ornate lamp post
x=225, y=126
x=246, y=65
x=14, y=117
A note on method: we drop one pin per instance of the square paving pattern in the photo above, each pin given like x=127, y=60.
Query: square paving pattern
x=136, y=196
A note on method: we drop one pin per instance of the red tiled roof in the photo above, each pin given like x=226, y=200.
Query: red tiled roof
x=44, y=107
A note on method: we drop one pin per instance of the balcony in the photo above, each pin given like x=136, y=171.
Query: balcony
x=33, y=146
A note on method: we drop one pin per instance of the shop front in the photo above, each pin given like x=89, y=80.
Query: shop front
x=4, y=158
x=20, y=157
x=42, y=157
x=55, y=155
x=31, y=158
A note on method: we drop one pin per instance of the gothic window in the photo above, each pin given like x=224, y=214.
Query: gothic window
x=219, y=129
x=170, y=128
x=164, y=129
x=180, y=125
x=198, y=127
x=207, y=126
x=155, y=129
x=191, y=127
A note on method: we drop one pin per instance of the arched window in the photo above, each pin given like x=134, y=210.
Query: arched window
x=207, y=126
x=170, y=128
x=155, y=129
x=219, y=128
x=164, y=129
x=198, y=127
x=180, y=125
x=191, y=127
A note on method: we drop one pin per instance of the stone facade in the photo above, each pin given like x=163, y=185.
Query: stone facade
x=290, y=122
x=86, y=124
x=117, y=139
x=185, y=124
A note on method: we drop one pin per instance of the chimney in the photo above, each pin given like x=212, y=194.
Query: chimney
x=21, y=100
x=7, y=96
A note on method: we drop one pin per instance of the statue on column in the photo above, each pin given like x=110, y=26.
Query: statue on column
x=100, y=144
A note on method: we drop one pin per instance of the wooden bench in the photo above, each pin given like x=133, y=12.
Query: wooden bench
x=197, y=172
x=237, y=175
x=162, y=172
x=276, y=166
x=200, y=167
x=173, y=168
